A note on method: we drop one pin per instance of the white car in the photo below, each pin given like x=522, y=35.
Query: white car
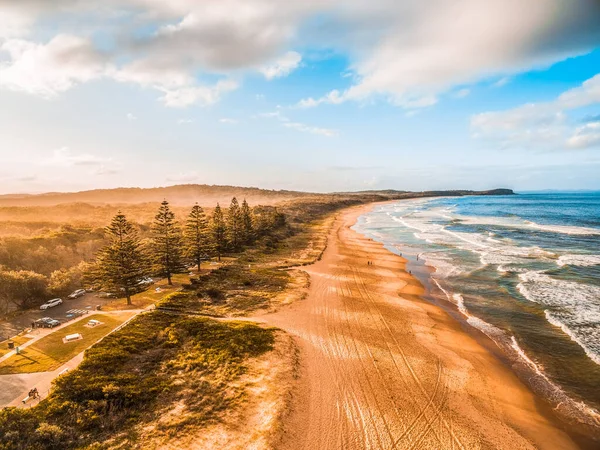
x=51, y=303
x=146, y=281
x=77, y=293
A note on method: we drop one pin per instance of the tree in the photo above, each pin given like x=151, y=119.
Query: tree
x=266, y=219
x=22, y=288
x=122, y=264
x=166, y=245
x=65, y=281
x=247, y=225
x=196, y=238
x=234, y=224
x=218, y=231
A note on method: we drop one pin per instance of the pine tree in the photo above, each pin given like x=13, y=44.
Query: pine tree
x=196, y=237
x=122, y=264
x=234, y=224
x=166, y=245
x=247, y=223
x=218, y=231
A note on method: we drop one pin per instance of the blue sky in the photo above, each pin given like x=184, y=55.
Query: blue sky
x=315, y=95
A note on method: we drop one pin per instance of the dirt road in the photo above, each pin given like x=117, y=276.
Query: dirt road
x=383, y=369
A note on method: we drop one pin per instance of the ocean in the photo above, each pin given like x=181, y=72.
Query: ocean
x=522, y=269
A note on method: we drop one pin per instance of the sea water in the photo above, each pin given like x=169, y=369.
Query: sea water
x=524, y=270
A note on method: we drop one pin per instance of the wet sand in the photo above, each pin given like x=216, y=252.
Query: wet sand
x=383, y=368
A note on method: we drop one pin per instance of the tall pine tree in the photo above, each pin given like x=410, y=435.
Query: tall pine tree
x=247, y=223
x=122, y=264
x=166, y=245
x=196, y=236
x=218, y=231
x=234, y=224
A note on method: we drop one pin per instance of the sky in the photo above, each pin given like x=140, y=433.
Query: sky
x=314, y=95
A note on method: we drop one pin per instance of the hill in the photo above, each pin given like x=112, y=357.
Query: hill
x=188, y=194
x=185, y=194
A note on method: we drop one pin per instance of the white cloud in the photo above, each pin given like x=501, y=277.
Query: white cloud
x=283, y=66
x=202, y=95
x=286, y=122
x=64, y=157
x=107, y=170
x=327, y=132
x=585, y=136
x=544, y=124
x=410, y=52
x=501, y=82
x=185, y=121
x=407, y=52
x=130, y=116
x=13, y=23
x=48, y=69
x=228, y=120
x=462, y=93
x=332, y=98
x=274, y=115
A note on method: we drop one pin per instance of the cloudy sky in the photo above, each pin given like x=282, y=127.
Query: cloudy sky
x=316, y=95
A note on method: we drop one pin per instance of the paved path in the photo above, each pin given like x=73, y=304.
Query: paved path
x=16, y=386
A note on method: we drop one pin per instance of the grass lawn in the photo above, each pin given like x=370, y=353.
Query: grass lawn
x=18, y=340
x=50, y=352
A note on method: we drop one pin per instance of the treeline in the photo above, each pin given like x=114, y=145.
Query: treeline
x=60, y=261
x=174, y=246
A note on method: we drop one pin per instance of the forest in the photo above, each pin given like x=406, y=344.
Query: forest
x=43, y=260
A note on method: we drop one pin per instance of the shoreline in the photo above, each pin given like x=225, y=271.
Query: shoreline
x=383, y=366
x=585, y=434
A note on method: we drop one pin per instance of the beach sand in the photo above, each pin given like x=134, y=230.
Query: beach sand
x=383, y=368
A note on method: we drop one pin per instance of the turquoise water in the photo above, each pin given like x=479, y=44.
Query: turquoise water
x=523, y=269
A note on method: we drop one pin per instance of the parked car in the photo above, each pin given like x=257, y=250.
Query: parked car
x=107, y=295
x=52, y=303
x=46, y=322
x=146, y=281
x=78, y=293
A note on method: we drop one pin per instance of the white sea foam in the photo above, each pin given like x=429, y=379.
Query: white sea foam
x=578, y=260
x=572, y=306
x=515, y=222
x=554, y=392
x=491, y=251
x=565, y=229
x=457, y=299
x=444, y=266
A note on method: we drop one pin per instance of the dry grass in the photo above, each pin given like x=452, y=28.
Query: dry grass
x=254, y=423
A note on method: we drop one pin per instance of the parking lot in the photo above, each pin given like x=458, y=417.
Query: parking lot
x=88, y=302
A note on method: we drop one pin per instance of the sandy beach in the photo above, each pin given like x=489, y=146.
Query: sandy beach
x=383, y=368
